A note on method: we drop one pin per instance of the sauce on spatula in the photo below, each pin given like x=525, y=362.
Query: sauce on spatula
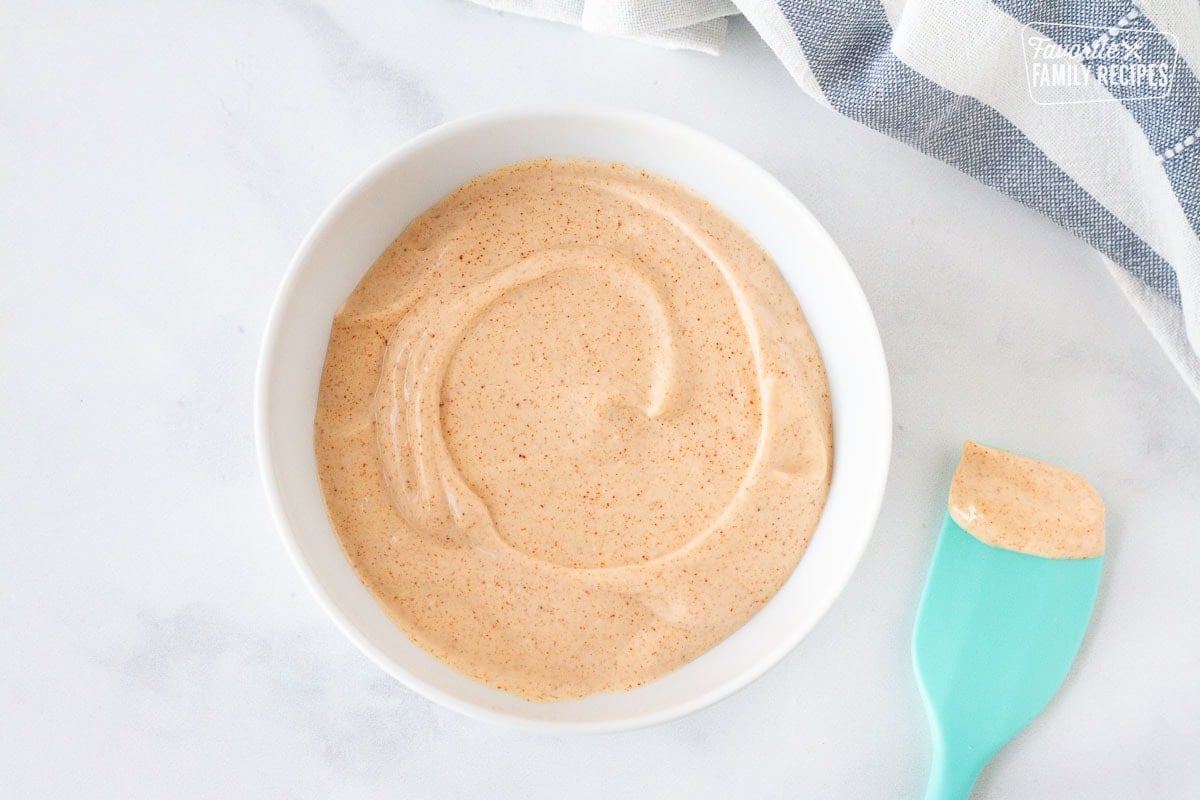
x=1029, y=506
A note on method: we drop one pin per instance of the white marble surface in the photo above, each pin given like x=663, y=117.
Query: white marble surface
x=159, y=163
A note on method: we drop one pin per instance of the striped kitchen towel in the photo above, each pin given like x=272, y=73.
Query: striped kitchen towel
x=1085, y=110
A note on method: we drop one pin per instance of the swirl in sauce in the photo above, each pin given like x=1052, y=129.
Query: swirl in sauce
x=573, y=429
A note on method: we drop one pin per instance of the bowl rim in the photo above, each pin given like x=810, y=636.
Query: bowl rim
x=270, y=347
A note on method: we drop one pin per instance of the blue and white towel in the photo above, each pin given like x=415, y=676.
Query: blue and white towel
x=1085, y=110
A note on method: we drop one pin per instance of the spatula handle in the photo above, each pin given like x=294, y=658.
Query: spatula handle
x=951, y=778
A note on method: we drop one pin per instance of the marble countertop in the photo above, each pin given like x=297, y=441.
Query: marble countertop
x=158, y=165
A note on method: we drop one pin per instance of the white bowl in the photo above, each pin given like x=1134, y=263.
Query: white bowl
x=372, y=212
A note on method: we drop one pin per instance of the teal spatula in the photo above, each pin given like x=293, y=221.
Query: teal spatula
x=995, y=636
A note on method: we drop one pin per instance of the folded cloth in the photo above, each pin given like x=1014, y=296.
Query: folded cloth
x=678, y=24
x=1086, y=110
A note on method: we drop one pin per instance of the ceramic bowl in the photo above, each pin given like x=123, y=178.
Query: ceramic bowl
x=368, y=215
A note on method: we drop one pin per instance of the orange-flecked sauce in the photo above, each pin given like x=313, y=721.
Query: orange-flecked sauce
x=573, y=429
x=1020, y=504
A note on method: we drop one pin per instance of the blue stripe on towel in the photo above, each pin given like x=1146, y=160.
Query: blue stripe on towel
x=848, y=47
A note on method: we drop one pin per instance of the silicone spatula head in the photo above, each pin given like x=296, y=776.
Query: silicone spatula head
x=997, y=630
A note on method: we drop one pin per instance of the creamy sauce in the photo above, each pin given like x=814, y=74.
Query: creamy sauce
x=1029, y=506
x=573, y=429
